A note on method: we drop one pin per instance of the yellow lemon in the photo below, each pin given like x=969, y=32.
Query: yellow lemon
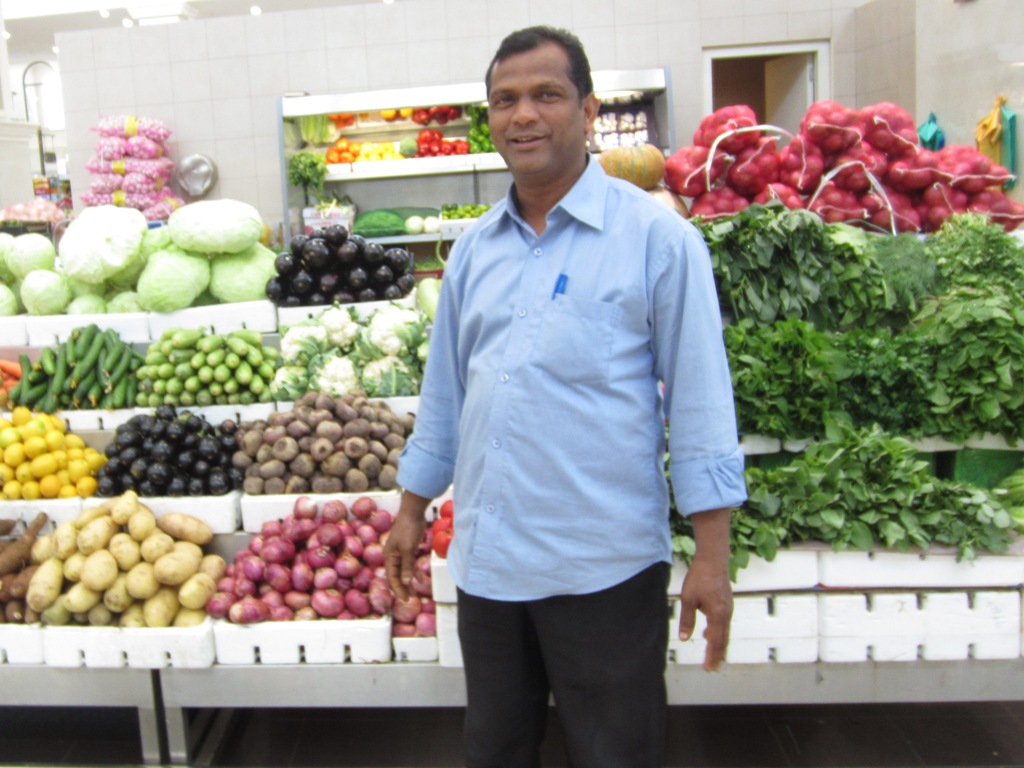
x=73, y=441
x=68, y=492
x=43, y=465
x=9, y=436
x=30, y=490
x=5, y=423
x=6, y=474
x=33, y=428
x=86, y=487
x=12, y=490
x=54, y=440
x=61, y=458
x=94, y=459
x=20, y=415
x=77, y=469
x=35, y=446
x=49, y=487
x=14, y=455
x=74, y=454
x=64, y=477
x=57, y=423
x=23, y=472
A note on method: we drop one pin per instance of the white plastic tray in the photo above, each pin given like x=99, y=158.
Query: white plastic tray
x=48, y=330
x=14, y=331
x=754, y=445
x=90, y=420
x=791, y=569
x=219, y=318
x=21, y=644
x=148, y=648
x=918, y=569
x=415, y=648
x=449, y=652
x=58, y=510
x=360, y=641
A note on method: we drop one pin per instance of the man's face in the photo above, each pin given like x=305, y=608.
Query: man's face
x=538, y=123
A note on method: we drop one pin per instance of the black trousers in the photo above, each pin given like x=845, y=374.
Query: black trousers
x=602, y=656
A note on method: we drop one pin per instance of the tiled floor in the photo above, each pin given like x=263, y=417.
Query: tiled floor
x=840, y=736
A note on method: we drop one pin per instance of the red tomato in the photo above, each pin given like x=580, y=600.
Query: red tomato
x=447, y=509
x=441, y=533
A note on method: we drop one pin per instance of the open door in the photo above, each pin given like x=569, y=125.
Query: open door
x=788, y=89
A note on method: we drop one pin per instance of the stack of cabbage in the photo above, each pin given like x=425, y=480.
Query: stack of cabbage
x=110, y=261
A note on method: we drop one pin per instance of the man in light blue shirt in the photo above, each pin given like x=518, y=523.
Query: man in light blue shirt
x=561, y=312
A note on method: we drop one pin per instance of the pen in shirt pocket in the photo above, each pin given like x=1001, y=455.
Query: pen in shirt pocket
x=559, y=285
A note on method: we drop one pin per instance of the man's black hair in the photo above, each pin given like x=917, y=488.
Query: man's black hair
x=531, y=37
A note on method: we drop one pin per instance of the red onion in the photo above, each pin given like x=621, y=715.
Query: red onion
x=242, y=554
x=403, y=629
x=307, y=527
x=328, y=602
x=406, y=610
x=256, y=543
x=367, y=533
x=313, y=541
x=357, y=602
x=219, y=603
x=281, y=613
x=343, y=584
x=426, y=625
x=270, y=528
x=278, y=576
x=346, y=615
x=363, y=507
x=229, y=569
x=362, y=579
x=423, y=586
x=346, y=529
x=347, y=565
x=427, y=605
x=334, y=510
x=248, y=610
x=354, y=546
x=305, y=507
x=381, y=520
x=297, y=600
x=226, y=584
x=321, y=557
x=244, y=587
x=329, y=534
x=423, y=564
x=302, y=577
x=278, y=550
x=292, y=530
x=306, y=614
x=373, y=555
x=381, y=573
x=380, y=600
x=301, y=557
x=271, y=596
x=324, y=578
x=253, y=568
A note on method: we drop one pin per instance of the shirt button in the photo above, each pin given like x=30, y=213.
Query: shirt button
x=496, y=443
x=490, y=507
x=504, y=378
x=522, y=313
x=537, y=251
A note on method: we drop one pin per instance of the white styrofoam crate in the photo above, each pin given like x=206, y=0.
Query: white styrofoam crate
x=797, y=445
x=455, y=227
x=222, y=513
x=21, y=644
x=918, y=569
x=91, y=420
x=791, y=569
x=781, y=628
x=403, y=405
x=992, y=443
x=219, y=318
x=415, y=648
x=79, y=646
x=449, y=652
x=256, y=510
x=14, y=331
x=754, y=445
x=48, y=330
x=57, y=510
x=906, y=626
x=327, y=641
x=935, y=444
x=291, y=315
x=181, y=647
x=442, y=585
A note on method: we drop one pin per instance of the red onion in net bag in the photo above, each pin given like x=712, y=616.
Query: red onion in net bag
x=723, y=201
x=686, y=172
x=969, y=170
x=914, y=171
x=889, y=128
x=938, y=202
x=831, y=126
x=111, y=148
x=998, y=207
x=895, y=207
x=801, y=164
x=855, y=165
x=158, y=168
x=143, y=148
x=132, y=125
x=835, y=205
x=787, y=195
x=755, y=167
x=726, y=120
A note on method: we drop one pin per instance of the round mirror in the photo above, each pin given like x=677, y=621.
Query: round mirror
x=196, y=174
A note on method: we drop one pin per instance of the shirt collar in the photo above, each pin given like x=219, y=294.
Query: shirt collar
x=585, y=201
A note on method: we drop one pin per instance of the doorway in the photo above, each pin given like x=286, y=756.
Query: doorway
x=779, y=82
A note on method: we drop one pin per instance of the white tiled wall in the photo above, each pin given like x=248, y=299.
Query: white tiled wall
x=217, y=81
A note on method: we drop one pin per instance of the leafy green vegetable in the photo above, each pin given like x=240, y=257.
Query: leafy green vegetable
x=379, y=222
x=215, y=226
x=910, y=272
x=172, y=280
x=45, y=292
x=30, y=252
x=242, y=276
x=86, y=304
x=102, y=241
x=126, y=301
x=308, y=170
x=969, y=250
x=6, y=241
x=8, y=301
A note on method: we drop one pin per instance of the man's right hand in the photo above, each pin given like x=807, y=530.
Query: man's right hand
x=404, y=539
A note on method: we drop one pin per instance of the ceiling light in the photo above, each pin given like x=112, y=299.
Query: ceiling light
x=255, y=10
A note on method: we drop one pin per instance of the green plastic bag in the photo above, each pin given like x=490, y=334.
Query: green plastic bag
x=931, y=134
x=1008, y=118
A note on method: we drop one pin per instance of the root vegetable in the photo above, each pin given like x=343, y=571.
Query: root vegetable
x=278, y=577
x=116, y=596
x=336, y=465
x=320, y=557
x=65, y=537
x=125, y=550
x=185, y=528
x=42, y=548
x=213, y=565
x=141, y=582
x=298, y=428
x=253, y=568
x=248, y=610
x=45, y=585
x=426, y=625
x=344, y=411
x=302, y=577
x=367, y=534
x=285, y=448
x=160, y=609
x=219, y=603
x=357, y=602
x=73, y=567
x=355, y=447
x=306, y=614
x=189, y=617
x=318, y=416
x=321, y=449
x=56, y=615
x=370, y=465
x=251, y=443
x=403, y=629
x=156, y=545
x=347, y=565
x=328, y=603
x=327, y=484
x=297, y=600
x=241, y=460
x=18, y=585
x=196, y=591
x=335, y=511
x=387, y=480
x=297, y=484
x=281, y=613
x=406, y=610
x=373, y=555
x=358, y=427
x=325, y=577
x=133, y=617
x=330, y=430
x=253, y=485
x=273, y=485
x=354, y=546
x=14, y=612
x=97, y=534
x=274, y=433
x=303, y=465
x=264, y=454
x=79, y=598
x=100, y=616
x=141, y=524
x=380, y=600
x=100, y=570
x=273, y=468
x=363, y=579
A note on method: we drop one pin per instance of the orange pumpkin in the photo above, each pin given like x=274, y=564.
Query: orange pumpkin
x=644, y=165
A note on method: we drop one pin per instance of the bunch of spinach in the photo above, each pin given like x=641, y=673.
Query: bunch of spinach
x=969, y=250
x=973, y=339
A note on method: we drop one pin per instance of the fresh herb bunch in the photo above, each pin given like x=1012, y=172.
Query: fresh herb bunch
x=969, y=250
x=973, y=339
x=308, y=170
x=910, y=272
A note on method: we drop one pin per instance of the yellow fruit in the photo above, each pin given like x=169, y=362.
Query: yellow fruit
x=30, y=490
x=14, y=455
x=73, y=441
x=94, y=459
x=6, y=474
x=54, y=440
x=35, y=446
x=74, y=454
x=12, y=490
x=9, y=436
x=20, y=415
x=5, y=423
x=43, y=465
x=86, y=487
x=23, y=472
x=57, y=423
x=64, y=477
x=68, y=492
x=35, y=428
x=61, y=458
x=77, y=469
x=49, y=487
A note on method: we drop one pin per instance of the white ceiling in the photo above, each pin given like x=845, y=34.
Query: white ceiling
x=32, y=24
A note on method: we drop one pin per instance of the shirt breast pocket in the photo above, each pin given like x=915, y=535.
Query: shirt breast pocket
x=576, y=339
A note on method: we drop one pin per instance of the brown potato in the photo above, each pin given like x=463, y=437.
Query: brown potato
x=125, y=550
x=79, y=599
x=185, y=528
x=45, y=586
x=156, y=545
x=196, y=591
x=96, y=534
x=141, y=524
x=160, y=609
x=140, y=582
x=100, y=570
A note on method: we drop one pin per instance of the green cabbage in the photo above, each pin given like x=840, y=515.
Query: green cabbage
x=8, y=302
x=215, y=226
x=80, y=288
x=242, y=276
x=126, y=301
x=102, y=241
x=6, y=241
x=30, y=252
x=172, y=280
x=45, y=292
x=86, y=304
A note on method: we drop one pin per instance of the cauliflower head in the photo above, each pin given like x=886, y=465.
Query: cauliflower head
x=337, y=377
x=395, y=330
x=341, y=325
x=388, y=377
x=302, y=342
